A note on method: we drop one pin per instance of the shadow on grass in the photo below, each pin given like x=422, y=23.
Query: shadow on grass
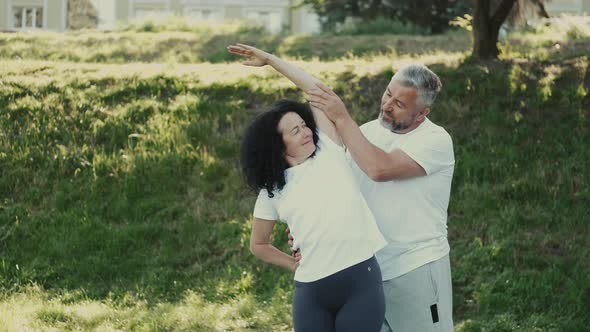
x=214, y=49
x=335, y=47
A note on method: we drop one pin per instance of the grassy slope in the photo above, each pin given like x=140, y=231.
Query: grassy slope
x=121, y=206
x=184, y=47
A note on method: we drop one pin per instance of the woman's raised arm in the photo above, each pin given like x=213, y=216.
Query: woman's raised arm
x=302, y=80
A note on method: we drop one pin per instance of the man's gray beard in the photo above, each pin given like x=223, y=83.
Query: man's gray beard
x=385, y=124
x=393, y=126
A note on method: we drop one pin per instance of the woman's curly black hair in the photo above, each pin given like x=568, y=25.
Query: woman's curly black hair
x=262, y=154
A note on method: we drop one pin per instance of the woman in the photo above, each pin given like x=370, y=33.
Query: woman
x=293, y=157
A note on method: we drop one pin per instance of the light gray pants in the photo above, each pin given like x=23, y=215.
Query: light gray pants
x=420, y=300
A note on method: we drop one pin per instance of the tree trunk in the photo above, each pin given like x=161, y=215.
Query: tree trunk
x=540, y=4
x=486, y=26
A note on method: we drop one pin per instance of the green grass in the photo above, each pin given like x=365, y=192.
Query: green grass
x=177, y=41
x=186, y=47
x=379, y=26
x=122, y=208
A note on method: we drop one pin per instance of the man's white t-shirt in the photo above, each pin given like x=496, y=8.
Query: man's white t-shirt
x=326, y=213
x=411, y=213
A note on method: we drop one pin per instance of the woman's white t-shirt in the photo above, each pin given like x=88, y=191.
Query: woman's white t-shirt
x=326, y=213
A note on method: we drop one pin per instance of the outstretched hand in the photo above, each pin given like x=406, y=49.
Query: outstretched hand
x=327, y=101
x=256, y=57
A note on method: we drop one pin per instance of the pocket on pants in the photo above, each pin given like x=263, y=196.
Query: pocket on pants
x=433, y=282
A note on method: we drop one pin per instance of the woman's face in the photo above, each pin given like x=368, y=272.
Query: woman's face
x=297, y=137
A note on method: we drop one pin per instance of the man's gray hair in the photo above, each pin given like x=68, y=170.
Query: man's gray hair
x=423, y=79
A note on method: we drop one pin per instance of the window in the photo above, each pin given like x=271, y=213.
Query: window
x=27, y=17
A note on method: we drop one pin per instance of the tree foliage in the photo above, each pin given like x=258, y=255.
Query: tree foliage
x=433, y=15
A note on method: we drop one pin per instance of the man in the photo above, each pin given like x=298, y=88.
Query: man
x=405, y=164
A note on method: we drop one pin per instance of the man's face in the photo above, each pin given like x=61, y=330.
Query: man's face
x=400, y=111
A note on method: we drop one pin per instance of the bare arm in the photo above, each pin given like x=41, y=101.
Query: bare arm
x=302, y=80
x=376, y=163
x=261, y=248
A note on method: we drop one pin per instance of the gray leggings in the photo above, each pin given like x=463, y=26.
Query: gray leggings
x=349, y=300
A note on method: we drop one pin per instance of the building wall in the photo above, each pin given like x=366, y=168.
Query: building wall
x=27, y=3
x=107, y=14
x=4, y=12
x=176, y=7
x=556, y=7
x=56, y=15
x=273, y=14
x=304, y=20
x=122, y=10
x=233, y=12
x=141, y=9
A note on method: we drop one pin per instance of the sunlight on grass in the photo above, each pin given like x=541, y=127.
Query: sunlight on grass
x=546, y=83
x=205, y=74
x=562, y=36
x=186, y=24
x=37, y=309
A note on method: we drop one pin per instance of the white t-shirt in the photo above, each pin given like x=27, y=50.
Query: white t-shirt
x=326, y=213
x=411, y=213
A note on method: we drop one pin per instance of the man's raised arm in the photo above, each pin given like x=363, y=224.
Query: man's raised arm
x=376, y=163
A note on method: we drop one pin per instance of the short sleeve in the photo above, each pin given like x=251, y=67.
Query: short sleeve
x=433, y=150
x=264, y=207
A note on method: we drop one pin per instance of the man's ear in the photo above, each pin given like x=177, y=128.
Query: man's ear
x=423, y=113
